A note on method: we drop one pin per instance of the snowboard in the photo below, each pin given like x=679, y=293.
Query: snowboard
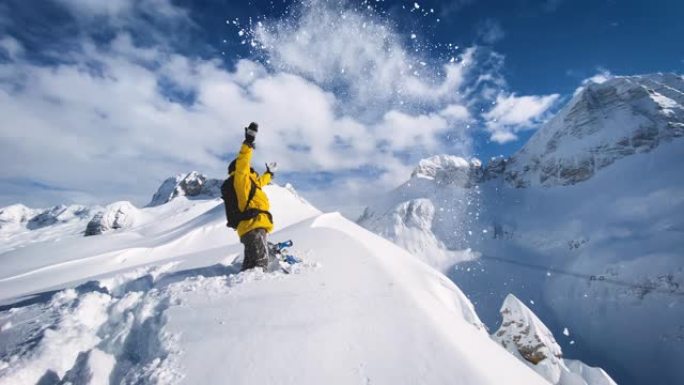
x=279, y=259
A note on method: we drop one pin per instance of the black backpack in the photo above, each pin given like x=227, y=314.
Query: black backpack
x=233, y=215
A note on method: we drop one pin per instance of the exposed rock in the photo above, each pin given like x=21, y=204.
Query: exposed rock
x=449, y=169
x=119, y=215
x=191, y=185
x=525, y=336
x=601, y=124
x=58, y=214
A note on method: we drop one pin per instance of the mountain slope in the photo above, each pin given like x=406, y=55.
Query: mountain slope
x=597, y=248
x=600, y=125
x=162, y=302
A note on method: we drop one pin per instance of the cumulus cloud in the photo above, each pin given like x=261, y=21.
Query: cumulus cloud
x=348, y=102
x=512, y=114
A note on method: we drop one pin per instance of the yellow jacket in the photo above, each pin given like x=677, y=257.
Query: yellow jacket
x=243, y=179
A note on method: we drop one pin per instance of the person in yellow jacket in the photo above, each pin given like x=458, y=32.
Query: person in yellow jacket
x=252, y=201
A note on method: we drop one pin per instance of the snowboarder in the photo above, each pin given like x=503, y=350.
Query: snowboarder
x=251, y=217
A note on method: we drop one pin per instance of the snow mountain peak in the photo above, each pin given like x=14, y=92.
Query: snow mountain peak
x=602, y=123
x=192, y=185
x=449, y=169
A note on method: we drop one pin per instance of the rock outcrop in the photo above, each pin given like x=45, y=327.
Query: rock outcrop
x=191, y=185
x=524, y=335
x=58, y=214
x=449, y=169
x=119, y=215
x=601, y=124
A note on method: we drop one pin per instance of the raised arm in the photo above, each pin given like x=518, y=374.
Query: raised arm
x=242, y=181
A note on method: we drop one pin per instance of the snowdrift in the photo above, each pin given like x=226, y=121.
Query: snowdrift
x=162, y=302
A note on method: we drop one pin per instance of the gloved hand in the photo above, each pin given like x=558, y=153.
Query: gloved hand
x=250, y=134
x=271, y=167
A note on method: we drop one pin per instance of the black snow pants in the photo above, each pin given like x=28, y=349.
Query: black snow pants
x=256, y=249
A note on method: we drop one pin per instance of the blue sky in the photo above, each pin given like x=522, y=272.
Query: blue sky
x=103, y=100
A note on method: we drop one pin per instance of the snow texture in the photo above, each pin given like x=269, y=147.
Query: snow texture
x=163, y=302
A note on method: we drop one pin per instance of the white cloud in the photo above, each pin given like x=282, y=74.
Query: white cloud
x=490, y=31
x=113, y=119
x=403, y=131
x=455, y=112
x=117, y=130
x=512, y=114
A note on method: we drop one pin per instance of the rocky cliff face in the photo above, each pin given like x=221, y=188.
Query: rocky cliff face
x=601, y=124
x=524, y=335
x=449, y=170
x=192, y=185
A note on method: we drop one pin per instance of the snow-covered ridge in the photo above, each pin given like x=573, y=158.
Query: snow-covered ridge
x=601, y=124
x=162, y=302
x=16, y=220
x=34, y=219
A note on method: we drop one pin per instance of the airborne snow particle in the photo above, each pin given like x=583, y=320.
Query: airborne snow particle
x=416, y=5
x=566, y=332
x=413, y=36
x=572, y=342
